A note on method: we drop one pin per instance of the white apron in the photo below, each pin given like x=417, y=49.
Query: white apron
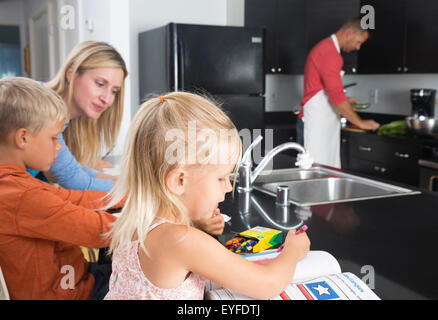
x=322, y=128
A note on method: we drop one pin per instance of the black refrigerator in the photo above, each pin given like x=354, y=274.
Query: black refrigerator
x=221, y=61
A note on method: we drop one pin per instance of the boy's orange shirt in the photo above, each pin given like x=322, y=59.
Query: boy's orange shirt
x=41, y=229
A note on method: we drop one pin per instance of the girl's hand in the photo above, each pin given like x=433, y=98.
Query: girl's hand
x=103, y=164
x=213, y=225
x=297, y=243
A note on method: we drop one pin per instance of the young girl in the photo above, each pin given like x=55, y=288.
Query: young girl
x=180, y=152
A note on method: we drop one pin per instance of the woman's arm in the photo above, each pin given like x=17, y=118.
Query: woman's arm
x=69, y=174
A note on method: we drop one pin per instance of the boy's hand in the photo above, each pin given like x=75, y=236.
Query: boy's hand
x=213, y=225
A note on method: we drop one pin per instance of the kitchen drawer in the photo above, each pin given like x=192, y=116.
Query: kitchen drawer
x=402, y=155
x=372, y=168
x=407, y=175
x=367, y=149
x=385, y=151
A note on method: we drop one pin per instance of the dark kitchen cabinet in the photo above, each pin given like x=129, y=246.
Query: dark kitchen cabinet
x=283, y=134
x=384, y=51
x=291, y=44
x=421, y=37
x=284, y=22
x=293, y=27
x=404, y=39
x=382, y=157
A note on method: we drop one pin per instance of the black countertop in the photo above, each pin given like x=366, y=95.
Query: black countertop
x=394, y=237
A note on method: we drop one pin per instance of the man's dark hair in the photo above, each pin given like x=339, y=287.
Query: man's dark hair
x=354, y=23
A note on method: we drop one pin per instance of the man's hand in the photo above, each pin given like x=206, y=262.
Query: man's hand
x=352, y=100
x=348, y=112
x=369, y=125
x=213, y=225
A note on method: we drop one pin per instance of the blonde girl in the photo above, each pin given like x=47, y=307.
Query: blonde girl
x=91, y=82
x=180, y=152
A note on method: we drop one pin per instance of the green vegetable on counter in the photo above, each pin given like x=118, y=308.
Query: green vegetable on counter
x=395, y=128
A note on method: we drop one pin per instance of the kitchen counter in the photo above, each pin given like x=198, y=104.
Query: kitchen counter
x=395, y=236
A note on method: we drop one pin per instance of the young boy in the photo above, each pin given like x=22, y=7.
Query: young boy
x=42, y=226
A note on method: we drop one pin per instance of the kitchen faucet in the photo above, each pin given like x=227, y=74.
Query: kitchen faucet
x=247, y=177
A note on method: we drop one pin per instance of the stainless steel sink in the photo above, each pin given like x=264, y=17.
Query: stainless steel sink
x=291, y=175
x=320, y=186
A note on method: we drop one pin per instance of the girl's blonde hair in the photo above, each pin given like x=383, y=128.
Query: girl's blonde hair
x=89, y=55
x=145, y=163
x=25, y=103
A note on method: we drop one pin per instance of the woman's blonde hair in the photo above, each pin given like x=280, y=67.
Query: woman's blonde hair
x=161, y=124
x=25, y=103
x=85, y=56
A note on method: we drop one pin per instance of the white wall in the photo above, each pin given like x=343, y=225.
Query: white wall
x=149, y=14
x=235, y=13
x=284, y=92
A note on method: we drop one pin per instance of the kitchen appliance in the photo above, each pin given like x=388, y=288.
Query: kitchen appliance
x=423, y=120
x=428, y=164
x=423, y=125
x=423, y=102
x=221, y=61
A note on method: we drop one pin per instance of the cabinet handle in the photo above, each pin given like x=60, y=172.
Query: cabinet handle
x=362, y=148
x=405, y=69
x=401, y=155
x=344, y=140
x=399, y=69
x=379, y=169
x=353, y=70
x=279, y=69
x=431, y=182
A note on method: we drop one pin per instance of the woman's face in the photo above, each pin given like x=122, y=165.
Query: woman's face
x=95, y=91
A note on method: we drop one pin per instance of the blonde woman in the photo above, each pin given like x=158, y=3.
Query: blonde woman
x=180, y=152
x=91, y=82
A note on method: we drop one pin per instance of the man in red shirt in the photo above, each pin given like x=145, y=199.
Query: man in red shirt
x=324, y=98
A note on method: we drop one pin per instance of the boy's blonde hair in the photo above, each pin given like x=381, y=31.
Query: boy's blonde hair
x=25, y=103
x=85, y=56
x=145, y=163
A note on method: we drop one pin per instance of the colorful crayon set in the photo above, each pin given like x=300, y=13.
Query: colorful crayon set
x=255, y=240
x=240, y=244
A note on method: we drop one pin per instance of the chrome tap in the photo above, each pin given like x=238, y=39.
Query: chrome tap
x=247, y=177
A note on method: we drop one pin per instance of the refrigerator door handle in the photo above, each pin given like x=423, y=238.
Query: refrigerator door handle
x=181, y=57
